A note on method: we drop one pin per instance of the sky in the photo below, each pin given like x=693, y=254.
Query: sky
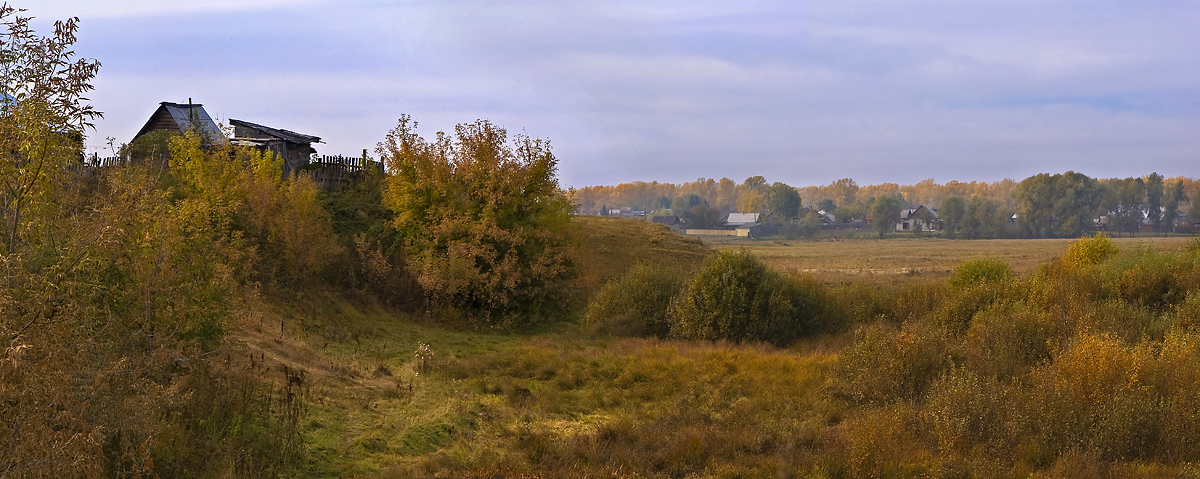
x=802, y=92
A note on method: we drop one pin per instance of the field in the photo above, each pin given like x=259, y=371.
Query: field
x=560, y=402
x=917, y=258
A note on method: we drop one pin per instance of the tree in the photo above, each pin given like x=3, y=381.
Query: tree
x=662, y=202
x=842, y=192
x=485, y=221
x=848, y=213
x=43, y=117
x=1174, y=196
x=682, y=204
x=755, y=183
x=1060, y=205
x=783, y=201
x=1154, y=201
x=827, y=205
x=951, y=211
x=750, y=201
x=886, y=213
x=702, y=216
x=1125, y=202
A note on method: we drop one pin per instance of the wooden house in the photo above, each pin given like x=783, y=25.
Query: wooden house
x=920, y=219
x=181, y=117
x=295, y=149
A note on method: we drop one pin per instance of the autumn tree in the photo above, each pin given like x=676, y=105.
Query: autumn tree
x=951, y=211
x=1154, y=201
x=885, y=212
x=1059, y=205
x=43, y=116
x=1124, y=200
x=751, y=201
x=484, y=220
x=783, y=201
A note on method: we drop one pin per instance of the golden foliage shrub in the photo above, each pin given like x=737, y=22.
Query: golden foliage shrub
x=484, y=221
x=978, y=271
x=1007, y=341
x=1088, y=251
x=886, y=365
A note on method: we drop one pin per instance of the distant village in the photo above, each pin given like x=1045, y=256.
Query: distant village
x=916, y=220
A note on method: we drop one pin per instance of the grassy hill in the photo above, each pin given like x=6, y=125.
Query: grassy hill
x=395, y=395
x=490, y=401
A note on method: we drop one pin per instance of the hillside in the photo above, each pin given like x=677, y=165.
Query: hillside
x=374, y=406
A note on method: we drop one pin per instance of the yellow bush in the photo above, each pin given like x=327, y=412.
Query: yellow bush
x=1088, y=251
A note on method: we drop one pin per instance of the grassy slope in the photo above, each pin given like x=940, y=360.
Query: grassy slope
x=559, y=402
x=371, y=412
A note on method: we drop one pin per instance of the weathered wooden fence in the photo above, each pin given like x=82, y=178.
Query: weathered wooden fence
x=333, y=172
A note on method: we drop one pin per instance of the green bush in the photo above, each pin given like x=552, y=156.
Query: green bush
x=736, y=297
x=636, y=303
x=979, y=270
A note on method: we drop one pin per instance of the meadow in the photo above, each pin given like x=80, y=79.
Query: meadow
x=914, y=258
x=410, y=395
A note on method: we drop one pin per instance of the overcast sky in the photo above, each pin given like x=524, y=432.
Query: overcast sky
x=803, y=92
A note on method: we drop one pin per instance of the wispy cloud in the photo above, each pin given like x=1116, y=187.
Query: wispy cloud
x=802, y=92
x=60, y=9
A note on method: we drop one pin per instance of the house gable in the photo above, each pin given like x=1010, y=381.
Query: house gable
x=179, y=118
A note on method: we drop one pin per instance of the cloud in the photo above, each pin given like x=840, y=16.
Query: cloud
x=91, y=9
x=804, y=92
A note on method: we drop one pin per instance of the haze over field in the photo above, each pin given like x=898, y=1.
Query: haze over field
x=802, y=92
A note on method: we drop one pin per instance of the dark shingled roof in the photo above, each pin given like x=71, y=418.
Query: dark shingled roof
x=286, y=135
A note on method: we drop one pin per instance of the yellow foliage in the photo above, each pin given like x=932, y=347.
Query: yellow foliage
x=1088, y=251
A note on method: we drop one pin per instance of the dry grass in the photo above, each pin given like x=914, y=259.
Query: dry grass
x=561, y=403
x=895, y=259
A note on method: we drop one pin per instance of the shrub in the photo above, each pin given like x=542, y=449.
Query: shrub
x=1096, y=398
x=1088, y=251
x=964, y=409
x=737, y=297
x=978, y=271
x=917, y=300
x=885, y=365
x=957, y=309
x=636, y=303
x=1006, y=341
x=484, y=220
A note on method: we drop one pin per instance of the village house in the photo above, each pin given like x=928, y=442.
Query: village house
x=919, y=218
x=295, y=149
x=181, y=117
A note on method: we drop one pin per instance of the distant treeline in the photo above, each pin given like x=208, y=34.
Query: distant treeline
x=1044, y=205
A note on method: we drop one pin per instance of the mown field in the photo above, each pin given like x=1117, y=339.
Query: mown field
x=562, y=402
x=914, y=258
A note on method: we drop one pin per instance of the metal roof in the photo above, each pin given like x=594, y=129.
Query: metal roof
x=742, y=218
x=287, y=135
x=184, y=114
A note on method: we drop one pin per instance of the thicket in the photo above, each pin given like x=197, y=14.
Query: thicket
x=733, y=296
x=1089, y=362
